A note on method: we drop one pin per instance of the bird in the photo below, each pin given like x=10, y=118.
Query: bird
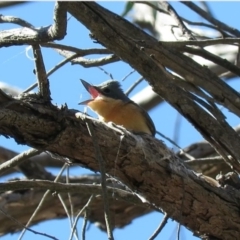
x=112, y=105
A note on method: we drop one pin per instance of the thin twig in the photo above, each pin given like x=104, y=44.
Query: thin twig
x=54, y=69
x=90, y=62
x=170, y=140
x=185, y=31
x=41, y=202
x=190, y=87
x=224, y=34
x=103, y=180
x=84, y=224
x=183, y=19
x=214, y=58
x=24, y=227
x=81, y=52
x=134, y=85
x=178, y=231
x=43, y=82
x=160, y=227
x=108, y=74
x=69, y=196
x=124, y=195
x=68, y=215
x=210, y=13
x=78, y=216
x=211, y=19
x=207, y=160
x=176, y=145
x=128, y=75
x=20, y=158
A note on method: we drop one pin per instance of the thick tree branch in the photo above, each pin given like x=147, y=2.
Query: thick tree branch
x=127, y=41
x=143, y=162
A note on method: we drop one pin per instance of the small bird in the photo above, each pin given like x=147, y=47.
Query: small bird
x=112, y=105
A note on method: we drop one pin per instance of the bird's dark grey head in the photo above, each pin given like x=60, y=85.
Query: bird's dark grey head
x=112, y=89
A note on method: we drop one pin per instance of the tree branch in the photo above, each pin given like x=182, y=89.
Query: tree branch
x=56, y=31
x=211, y=19
x=60, y=132
x=20, y=192
x=43, y=83
x=177, y=18
x=15, y=20
x=121, y=37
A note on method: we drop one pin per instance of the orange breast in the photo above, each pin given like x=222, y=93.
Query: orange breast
x=127, y=115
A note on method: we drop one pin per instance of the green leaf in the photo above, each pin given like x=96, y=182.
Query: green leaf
x=128, y=8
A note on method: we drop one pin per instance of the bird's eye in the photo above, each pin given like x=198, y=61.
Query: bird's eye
x=106, y=90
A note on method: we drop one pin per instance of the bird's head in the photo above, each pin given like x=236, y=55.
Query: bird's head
x=110, y=89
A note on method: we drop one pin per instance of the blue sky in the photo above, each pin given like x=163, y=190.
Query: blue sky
x=17, y=70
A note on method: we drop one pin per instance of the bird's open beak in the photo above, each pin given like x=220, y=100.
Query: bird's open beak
x=91, y=89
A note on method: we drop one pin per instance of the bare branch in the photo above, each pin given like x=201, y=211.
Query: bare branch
x=25, y=228
x=18, y=159
x=90, y=62
x=15, y=20
x=40, y=204
x=37, y=36
x=214, y=58
x=84, y=224
x=160, y=227
x=54, y=69
x=177, y=18
x=81, y=52
x=211, y=19
x=78, y=216
x=68, y=187
x=134, y=85
x=43, y=83
x=224, y=34
x=59, y=28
